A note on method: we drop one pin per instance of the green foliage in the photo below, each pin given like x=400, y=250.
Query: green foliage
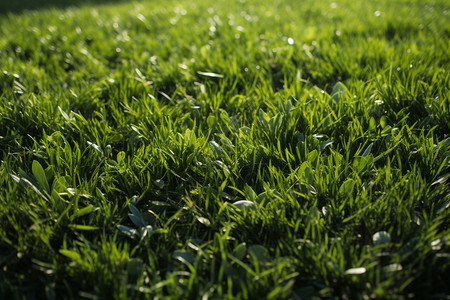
x=225, y=149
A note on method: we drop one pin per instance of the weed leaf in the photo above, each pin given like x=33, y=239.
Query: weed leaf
x=128, y=231
x=381, y=238
x=346, y=188
x=259, y=252
x=240, y=251
x=39, y=174
x=183, y=256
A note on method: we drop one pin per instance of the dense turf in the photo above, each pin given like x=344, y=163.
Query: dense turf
x=225, y=149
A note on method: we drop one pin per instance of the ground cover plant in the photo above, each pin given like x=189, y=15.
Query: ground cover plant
x=225, y=149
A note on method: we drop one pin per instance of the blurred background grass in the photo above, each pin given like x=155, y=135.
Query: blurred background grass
x=18, y=6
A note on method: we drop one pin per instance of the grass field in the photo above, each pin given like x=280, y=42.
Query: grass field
x=225, y=149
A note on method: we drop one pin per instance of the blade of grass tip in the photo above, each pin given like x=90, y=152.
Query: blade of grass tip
x=367, y=151
x=210, y=74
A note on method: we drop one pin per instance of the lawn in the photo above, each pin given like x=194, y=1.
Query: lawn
x=228, y=149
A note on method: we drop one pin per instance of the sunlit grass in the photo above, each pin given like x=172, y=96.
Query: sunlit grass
x=226, y=149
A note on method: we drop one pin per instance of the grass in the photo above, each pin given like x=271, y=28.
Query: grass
x=225, y=149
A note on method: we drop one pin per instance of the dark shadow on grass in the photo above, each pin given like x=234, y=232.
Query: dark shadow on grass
x=18, y=6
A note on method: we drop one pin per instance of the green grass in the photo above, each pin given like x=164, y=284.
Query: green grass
x=225, y=149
